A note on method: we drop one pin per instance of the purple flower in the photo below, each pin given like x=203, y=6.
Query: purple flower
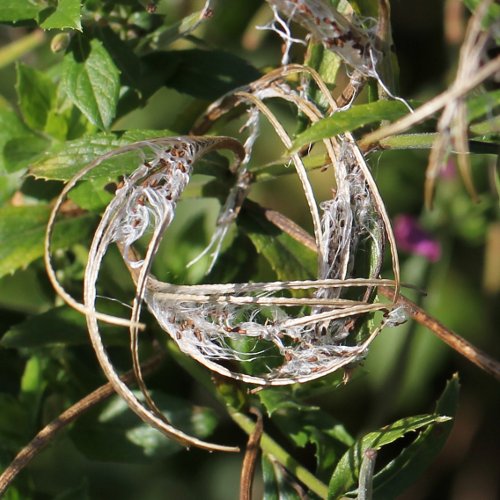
x=411, y=238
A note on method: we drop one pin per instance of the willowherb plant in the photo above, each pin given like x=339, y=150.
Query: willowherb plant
x=274, y=333
x=248, y=323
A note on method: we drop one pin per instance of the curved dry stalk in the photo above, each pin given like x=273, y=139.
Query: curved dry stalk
x=370, y=140
x=183, y=312
x=455, y=341
x=452, y=125
x=68, y=298
x=297, y=161
x=158, y=183
x=161, y=183
x=46, y=435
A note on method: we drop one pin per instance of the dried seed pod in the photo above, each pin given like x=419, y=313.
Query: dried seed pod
x=328, y=26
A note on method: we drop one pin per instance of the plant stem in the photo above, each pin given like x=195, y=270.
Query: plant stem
x=46, y=435
x=271, y=447
x=19, y=48
x=267, y=444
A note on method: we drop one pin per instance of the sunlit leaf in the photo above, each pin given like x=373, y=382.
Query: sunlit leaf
x=403, y=471
x=349, y=120
x=346, y=474
x=91, y=80
x=64, y=160
x=22, y=231
x=18, y=10
x=65, y=15
x=59, y=326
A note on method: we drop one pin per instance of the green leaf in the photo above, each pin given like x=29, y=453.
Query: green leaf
x=306, y=424
x=278, y=484
x=346, y=474
x=22, y=231
x=35, y=95
x=288, y=258
x=18, y=10
x=207, y=74
x=12, y=436
x=484, y=104
x=64, y=160
x=33, y=384
x=59, y=326
x=10, y=127
x=65, y=15
x=91, y=81
x=21, y=151
x=401, y=472
x=492, y=13
x=117, y=435
x=349, y=120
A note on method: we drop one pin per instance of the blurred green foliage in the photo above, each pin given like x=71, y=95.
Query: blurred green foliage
x=111, y=72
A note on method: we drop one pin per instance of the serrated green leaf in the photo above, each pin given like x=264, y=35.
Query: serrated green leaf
x=18, y=10
x=288, y=258
x=64, y=160
x=22, y=231
x=117, y=435
x=35, y=95
x=65, y=15
x=401, y=472
x=349, y=120
x=346, y=474
x=91, y=80
x=59, y=326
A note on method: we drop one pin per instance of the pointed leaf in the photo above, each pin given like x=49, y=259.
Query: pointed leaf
x=401, y=472
x=18, y=10
x=347, y=121
x=346, y=474
x=22, y=231
x=65, y=15
x=91, y=80
x=64, y=160
x=35, y=94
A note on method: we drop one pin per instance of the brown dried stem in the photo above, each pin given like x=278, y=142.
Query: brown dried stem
x=251, y=456
x=455, y=341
